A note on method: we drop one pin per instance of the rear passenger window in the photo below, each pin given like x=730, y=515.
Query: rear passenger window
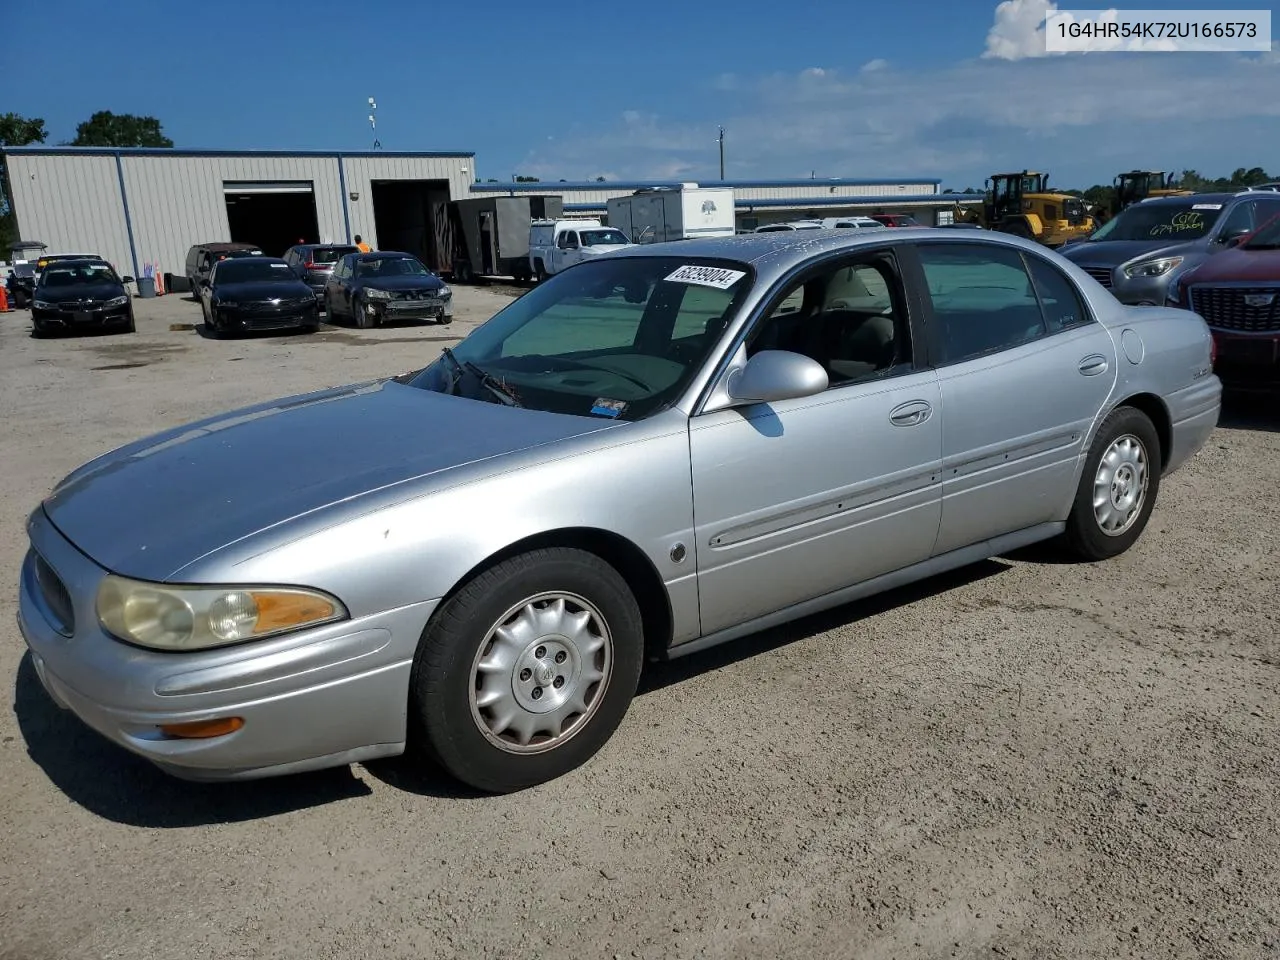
x=1061, y=304
x=982, y=298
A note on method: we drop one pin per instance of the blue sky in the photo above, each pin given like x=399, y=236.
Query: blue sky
x=578, y=89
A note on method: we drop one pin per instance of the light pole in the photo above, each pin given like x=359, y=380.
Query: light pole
x=373, y=123
x=720, y=140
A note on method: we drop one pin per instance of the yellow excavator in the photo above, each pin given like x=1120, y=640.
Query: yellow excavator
x=1022, y=204
x=1137, y=185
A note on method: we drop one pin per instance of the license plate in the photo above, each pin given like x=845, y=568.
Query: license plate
x=80, y=316
x=1242, y=350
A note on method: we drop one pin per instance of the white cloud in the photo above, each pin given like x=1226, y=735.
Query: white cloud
x=1018, y=31
x=1079, y=116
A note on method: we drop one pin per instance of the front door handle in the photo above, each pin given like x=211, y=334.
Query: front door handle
x=1093, y=365
x=910, y=414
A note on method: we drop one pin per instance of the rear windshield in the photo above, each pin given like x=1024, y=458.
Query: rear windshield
x=1173, y=222
x=330, y=254
x=253, y=271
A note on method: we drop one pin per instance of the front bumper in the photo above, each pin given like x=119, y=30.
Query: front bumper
x=251, y=319
x=394, y=310
x=82, y=319
x=1247, y=360
x=319, y=698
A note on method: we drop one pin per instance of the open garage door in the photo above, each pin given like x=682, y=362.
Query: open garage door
x=412, y=216
x=273, y=214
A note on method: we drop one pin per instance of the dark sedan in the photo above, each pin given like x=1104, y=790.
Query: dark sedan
x=373, y=288
x=81, y=295
x=257, y=293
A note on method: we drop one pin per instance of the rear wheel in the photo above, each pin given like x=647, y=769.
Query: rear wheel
x=540, y=271
x=1118, y=487
x=1017, y=228
x=526, y=672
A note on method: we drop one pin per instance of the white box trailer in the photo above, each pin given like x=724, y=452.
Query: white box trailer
x=658, y=214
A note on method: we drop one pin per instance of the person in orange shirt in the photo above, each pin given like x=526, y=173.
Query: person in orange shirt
x=362, y=246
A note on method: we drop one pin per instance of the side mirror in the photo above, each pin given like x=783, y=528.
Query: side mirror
x=127, y=280
x=1235, y=240
x=773, y=375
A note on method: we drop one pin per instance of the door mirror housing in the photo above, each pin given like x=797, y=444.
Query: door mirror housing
x=126, y=279
x=1234, y=240
x=773, y=375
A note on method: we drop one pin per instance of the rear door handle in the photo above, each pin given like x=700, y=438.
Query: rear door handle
x=1093, y=365
x=910, y=414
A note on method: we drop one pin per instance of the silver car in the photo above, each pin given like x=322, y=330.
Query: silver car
x=651, y=453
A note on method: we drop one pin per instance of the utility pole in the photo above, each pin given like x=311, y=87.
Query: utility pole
x=373, y=123
x=720, y=140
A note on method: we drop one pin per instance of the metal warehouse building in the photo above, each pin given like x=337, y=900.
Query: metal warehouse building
x=150, y=206
x=767, y=201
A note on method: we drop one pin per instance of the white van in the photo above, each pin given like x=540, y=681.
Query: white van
x=556, y=244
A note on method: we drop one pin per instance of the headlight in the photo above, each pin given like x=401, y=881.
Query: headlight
x=44, y=305
x=117, y=301
x=1152, y=268
x=444, y=293
x=166, y=617
x=377, y=294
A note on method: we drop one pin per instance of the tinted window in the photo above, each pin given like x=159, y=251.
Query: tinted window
x=1239, y=219
x=1059, y=301
x=1174, y=222
x=329, y=254
x=982, y=298
x=238, y=270
x=614, y=337
x=1268, y=235
x=851, y=319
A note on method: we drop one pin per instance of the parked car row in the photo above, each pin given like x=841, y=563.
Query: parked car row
x=1212, y=253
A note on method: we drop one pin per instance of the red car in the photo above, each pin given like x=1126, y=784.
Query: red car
x=896, y=219
x=1237, y=292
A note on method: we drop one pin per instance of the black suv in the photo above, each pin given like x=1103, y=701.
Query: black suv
x=313, y=262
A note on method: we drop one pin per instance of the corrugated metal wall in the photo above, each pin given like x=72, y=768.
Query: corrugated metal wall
x=177, y=202
x=72, y=204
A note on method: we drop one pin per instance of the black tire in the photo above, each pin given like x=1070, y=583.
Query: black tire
x=540, y=271
x=131, y=326
x=360, y=314
x=1085, y=536
x=443, y=681
x=1017, y=228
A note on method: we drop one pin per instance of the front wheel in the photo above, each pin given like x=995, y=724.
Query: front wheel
x=526, y=672
x=1118, y=487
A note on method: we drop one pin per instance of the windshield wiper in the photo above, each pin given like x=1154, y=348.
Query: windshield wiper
x=487, y=380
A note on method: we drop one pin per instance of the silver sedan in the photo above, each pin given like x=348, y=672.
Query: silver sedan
x=650, y=453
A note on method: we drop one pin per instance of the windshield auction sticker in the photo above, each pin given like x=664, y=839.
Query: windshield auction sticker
x=1157, y=31
x=717, y=277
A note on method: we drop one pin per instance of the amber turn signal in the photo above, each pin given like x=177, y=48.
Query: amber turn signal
x=203, y=729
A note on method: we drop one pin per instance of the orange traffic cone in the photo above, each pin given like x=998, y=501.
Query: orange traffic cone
x=4, y=300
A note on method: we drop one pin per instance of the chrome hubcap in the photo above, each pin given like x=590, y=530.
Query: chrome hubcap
x=1120, y=485
x=541, y=672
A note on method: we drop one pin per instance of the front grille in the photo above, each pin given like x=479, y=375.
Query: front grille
x=56, y=596
x=1227, y=308
x=284, y=307
x=413, y=295
x=1101, y=274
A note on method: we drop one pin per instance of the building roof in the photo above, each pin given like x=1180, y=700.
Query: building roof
x=42, y=150
x=544, y=186
x=877, y=200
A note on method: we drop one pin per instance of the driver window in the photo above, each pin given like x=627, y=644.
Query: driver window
x=1240, y=220
x=568, y=240
x=852, y=319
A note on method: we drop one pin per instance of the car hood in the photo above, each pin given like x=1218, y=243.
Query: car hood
x=1112, y=253
x=262, y=290
x=402, y=283
x=1239, y=265
x=89, y=291
x=157, y=505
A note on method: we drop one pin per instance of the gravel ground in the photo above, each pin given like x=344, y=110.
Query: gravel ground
x=1023, y=759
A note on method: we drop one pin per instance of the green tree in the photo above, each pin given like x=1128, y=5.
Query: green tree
x=107, y=129
x=15, y=131
x=527, y=180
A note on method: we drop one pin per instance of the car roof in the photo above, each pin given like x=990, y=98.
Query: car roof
x=262, y=258
x=1191, y=198
x=69, y=260
x=227, y=246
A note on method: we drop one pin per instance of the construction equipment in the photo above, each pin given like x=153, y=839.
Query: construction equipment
x=1137, y=185
x=1023, y=205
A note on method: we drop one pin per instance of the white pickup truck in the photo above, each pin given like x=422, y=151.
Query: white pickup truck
x=556, y=244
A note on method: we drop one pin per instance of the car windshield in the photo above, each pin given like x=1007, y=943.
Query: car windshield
x=329, y=254
x=253, y=271
x=1161, y=221
x=619, y=338
x=602, y=238
x=1266, y=237
x=391, y=267
x=81, y=274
